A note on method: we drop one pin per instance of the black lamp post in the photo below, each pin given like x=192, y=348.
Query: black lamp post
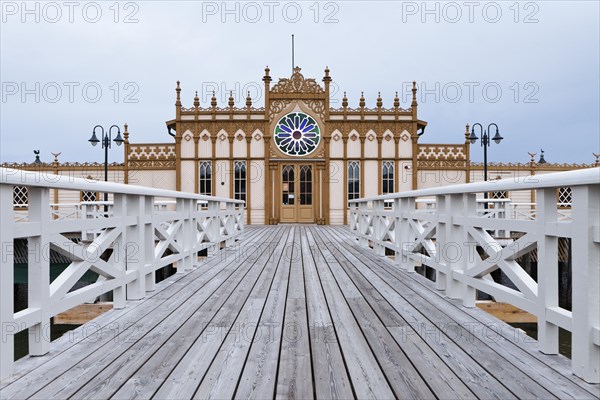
x=485, y=143
x=106, y=139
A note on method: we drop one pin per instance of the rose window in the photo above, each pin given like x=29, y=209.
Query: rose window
x=297, y=134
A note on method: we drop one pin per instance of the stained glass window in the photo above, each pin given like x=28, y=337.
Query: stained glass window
x=297, y=134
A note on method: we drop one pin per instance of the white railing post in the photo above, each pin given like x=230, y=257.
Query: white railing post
x=7, y=347
x=187, y=230
x=148, y=243
x=586, y=281
x=378, y=227
x=452, y=250
x=353, y=215
x=38, y=270
x=468, y=248
x=397, y=232
x=214, y=227
x=407, y=207
x=180, y=233
x=119, y=250
x=363, y=224
x=443, y=231
x=195, y=243
x=230, y=222
x=547, y=269
x=133, y=250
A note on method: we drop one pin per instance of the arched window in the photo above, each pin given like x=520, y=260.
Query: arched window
x=353, y=180
x=387, y=176
x=205, y=186
x=239, y=180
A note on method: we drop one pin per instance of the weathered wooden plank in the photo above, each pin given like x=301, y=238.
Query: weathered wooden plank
x=444, y=383
x=102, y=324
x=259, y=375
x=368, y=380
x=150, y=331
x=366, y=328
x=549, y=371
x=202, y=334
x=472, y=341
x=184, y=380
x=330, y=376
x=402, y=376
x=294, y=375
x=479, y=380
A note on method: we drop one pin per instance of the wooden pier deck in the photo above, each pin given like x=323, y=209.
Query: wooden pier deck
x=295, y=312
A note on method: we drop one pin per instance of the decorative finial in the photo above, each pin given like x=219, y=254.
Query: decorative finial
x=396, y=101
x=178, y=91
x=126, y=132
x=267, y=78
x=362, y=100
x=213, y=100
x=196, y=100
x=56, y=157
x=345, y=101
x=248, y=100
x=532, y=157
x=379, y=100
x=37, y=157
x=231, y=102
x=414, y=94
x=597, y=163
x=542, y=160
x=326, y=78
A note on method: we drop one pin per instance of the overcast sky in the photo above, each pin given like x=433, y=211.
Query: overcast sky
x=531, y=67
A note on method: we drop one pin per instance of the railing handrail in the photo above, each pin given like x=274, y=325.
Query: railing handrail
x=581, y=177
x=19, y=177
x=465, y=244
x=138, y=238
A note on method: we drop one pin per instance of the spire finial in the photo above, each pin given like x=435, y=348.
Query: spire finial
x=178, y=91
x=414, y=94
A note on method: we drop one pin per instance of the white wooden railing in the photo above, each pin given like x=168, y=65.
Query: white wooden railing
x=137, y=237
x=452, y=238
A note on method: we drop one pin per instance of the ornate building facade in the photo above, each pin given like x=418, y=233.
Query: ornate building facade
x=296, y=159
